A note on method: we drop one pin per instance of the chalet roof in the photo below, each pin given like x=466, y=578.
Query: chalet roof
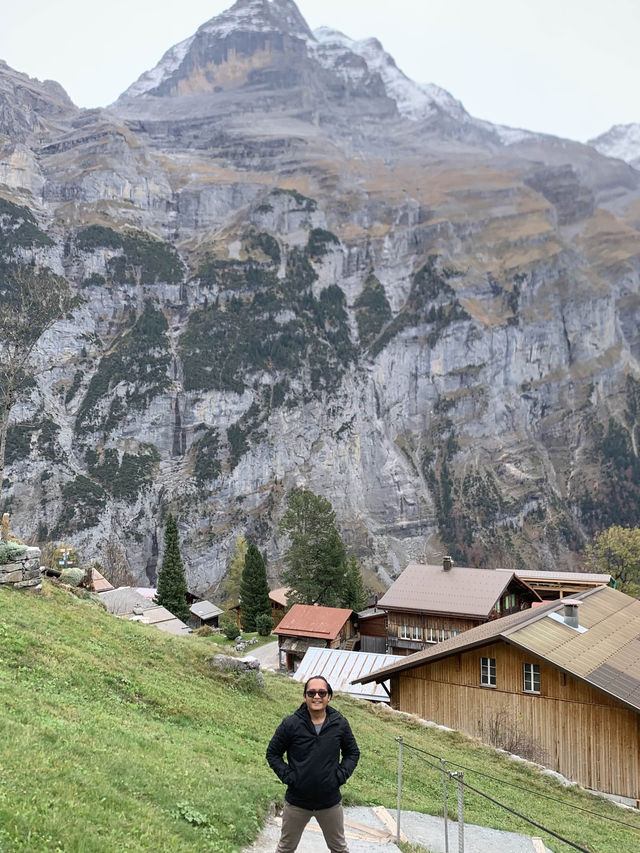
x=163, y=619
x=279, y=596
x=308, y=620
x=100, y=583
x=460, y=591
x=341, y=667
x=205, y=610
x=575, y=577
x=122, y=600
x=606, y=655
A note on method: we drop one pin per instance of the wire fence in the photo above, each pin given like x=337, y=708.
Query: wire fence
x=458, y=777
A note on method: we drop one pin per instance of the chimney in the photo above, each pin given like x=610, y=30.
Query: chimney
x=570, y=612
x=447, y=564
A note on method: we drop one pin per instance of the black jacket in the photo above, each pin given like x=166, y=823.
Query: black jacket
x=313, y=771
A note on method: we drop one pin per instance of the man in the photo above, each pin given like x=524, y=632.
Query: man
x=314, y=738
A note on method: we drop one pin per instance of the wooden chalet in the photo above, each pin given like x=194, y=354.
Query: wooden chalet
x=307, y=625
x=372, y=627
x=278, y=599
x=204, y=613
x=553, y=585
x=567, y=673
x=429, y=604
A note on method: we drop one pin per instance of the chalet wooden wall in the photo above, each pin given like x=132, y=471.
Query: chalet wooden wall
x=587, y=736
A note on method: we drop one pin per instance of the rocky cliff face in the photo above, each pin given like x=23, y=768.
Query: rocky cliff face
x=298, y=267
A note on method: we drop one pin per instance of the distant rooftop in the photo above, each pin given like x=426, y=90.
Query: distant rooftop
x=307, y=620
x=460, y=591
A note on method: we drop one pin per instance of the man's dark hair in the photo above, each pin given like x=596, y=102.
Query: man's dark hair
x=322, y=678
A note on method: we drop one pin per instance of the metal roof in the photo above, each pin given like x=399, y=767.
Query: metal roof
x=571, y=577
x=606, y=655
x=308, y=620
x=205, y=610
x=122, y=600
x=340, y=668
x=460, y=591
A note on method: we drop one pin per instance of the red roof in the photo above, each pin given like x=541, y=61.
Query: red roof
x=308, y=620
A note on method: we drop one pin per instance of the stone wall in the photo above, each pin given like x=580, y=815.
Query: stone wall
x=19, y=565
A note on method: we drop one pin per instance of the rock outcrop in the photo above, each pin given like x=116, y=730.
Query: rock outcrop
x=296, y=267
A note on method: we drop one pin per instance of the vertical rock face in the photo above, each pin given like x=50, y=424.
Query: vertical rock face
x=296, y=267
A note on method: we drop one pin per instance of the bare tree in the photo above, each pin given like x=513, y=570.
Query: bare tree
x=31, y=300
x=116, y=569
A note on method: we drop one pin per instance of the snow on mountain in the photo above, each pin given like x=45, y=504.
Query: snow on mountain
x=259, y=16
x=167, y=65
x=622, y=141
x=414, y=101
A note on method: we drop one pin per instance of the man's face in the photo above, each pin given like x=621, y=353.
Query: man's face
x=316, y=703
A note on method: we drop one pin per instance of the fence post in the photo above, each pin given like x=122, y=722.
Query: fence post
x=399, y=741
x=459, y=777
x=444, y=802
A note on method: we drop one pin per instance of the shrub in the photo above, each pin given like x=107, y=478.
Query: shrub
x=204, y=631
x=264, y=624
x=229, y=625
x=72, y=576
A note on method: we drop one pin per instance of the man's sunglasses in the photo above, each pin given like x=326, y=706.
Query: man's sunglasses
x=320, y=693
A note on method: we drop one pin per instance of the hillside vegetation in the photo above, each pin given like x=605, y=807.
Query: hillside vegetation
x=117, y=737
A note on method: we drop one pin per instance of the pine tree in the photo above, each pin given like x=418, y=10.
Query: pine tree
x=172, y=585
x=236, y=567
x=353, y=591
x=316, y=558
x=254, y=590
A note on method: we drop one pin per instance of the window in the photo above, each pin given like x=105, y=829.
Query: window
x=453, y=633
x=488, y=672
x=443, y=635
x=531, y=677
x=416, y=633
x=404, y=632
x=510, y=601
x=432, y=635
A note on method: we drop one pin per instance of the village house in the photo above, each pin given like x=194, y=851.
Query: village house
x=372, y=627
x=428, y=604
x=307, y=625
x=566, y=674
x=553, y=585
x=204, y=613
x=278, y=599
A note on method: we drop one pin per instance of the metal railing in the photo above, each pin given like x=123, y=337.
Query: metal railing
x=446, y=775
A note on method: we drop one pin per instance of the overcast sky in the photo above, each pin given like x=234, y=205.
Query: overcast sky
x=567, y=67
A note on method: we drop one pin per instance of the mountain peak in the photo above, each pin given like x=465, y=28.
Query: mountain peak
x=272, y=15
x=621, y=141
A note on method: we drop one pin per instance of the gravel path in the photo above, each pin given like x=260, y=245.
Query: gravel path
x=267, y=655
x=370, y=830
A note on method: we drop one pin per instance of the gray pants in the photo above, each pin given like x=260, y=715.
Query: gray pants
x=294, y=820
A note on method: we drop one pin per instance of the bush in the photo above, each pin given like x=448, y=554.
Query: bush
x=229, y=625
x=72, y=576
x=204, y=631
x=264, y=624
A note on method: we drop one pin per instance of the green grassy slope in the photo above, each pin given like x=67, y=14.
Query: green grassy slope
x=114, y=736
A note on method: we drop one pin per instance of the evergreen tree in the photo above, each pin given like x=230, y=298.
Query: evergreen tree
x=172, y=584
x=236, y=567
x=353, y=591
x=316, y=558
x=254, y=590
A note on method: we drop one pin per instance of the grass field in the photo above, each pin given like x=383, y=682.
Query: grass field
x=115, y=736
